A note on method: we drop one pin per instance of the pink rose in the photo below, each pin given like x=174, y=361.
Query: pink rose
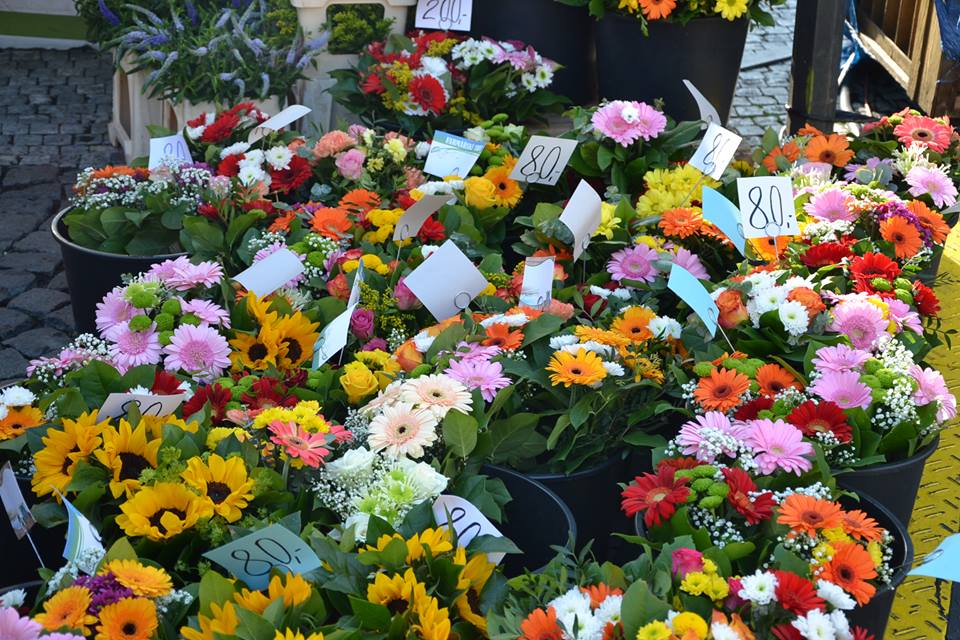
x=734, y=601
x=376, y=344
x=404, y=297
x=361, y=323
x=686, y=561
x=350, y=164
x=357, y=131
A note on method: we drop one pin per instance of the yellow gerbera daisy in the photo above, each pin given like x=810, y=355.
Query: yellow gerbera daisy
x=584, y=367
x=127, y=453
x=595, y=334
x=634, y=324
x=731, y=9
x=149, y=582
x=222, y=482
x=67, y=609
x=162, y=511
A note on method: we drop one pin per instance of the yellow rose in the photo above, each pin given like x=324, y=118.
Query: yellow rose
x=686, y=622
x=383, y=365
x=358, y=381
x=480, y=192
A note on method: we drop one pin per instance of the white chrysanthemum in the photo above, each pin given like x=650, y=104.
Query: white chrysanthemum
x=794, y=317
x=17, y=396
x=511, y=320
x=437, y=67
x=138, y=390
x=664, y=327
x=600, y=291
x=759, y=588
x=279, y=157
x=13, y=599
x=544, y=75
x=841, y=626
x=797, y=281
x=438, y=394
x=251, y=174
x=403, y=430
x=3, y=411
x=590, y=345
x=573, y=610
x=614, y=369
x=194, y=133
x=423, y=341
x=422, y=149
x=721, y=631
x=609, y=610
x=762, y=279
x=355, y=465
x=835, y=595
x=426, y=483
x=252, y=157
x=234, y=149
x=558, y=342
x=816, y=625
x=621, y=293
x=529, y=82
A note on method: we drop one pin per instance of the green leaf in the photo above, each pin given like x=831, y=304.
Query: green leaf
x=120, y=550
x=372, y=616
x=541, y=327
x=460, y=433
x=252, y=626
x=86, y=475
x=114, y=221
x=214, y=588
x=604, y=157
x=640, y=607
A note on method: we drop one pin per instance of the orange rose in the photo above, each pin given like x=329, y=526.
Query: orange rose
x=809, y=298
x=338, y=287
x=408, y=356
x=732, y=309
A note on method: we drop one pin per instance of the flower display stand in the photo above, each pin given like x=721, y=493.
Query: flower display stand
x=132, y=112
x=312, y=15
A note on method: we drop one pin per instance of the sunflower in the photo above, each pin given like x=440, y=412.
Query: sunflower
x=930, y=220
x=62, y=450
x=155, y=424
x=397, y=592
x=603, y=336
x=472, y=579
x=904, y=236
x=809, y=514
x=634, y=323
x=162, y=511
x=259, y=308
x=257, y=352
x=222, y=622
x=291, y=588
x=584, y=367
x=291, y=634
x=830, y=149
x=681, y=222
x=433, y=622
x=67, y=609
x=128, y=619
x=850, y=568
x=224, y=483
x=18, y=420
x=507, y=192
x=500, y=335
x=148, y=582
x=297, y=336
x=861, y=526
x=437, y=540
x=721, y=390
x=773, y=379
x=127, y=453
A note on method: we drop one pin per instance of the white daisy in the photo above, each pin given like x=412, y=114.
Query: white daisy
x=759, y=588
x=234, y=149
x=438, y=394
x=557, y=342
x=816, y=625
x=794, y=317
x=279, y=157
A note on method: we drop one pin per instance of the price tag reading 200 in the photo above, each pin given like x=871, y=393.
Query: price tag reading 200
x=543, y=160
x=252, y=557
x=444, y=14
x=766, y=207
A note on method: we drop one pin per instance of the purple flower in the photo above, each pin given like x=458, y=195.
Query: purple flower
x=932, y=181
x=375, y=344
x=361, y=323
x=105, y=590
x=108, y=15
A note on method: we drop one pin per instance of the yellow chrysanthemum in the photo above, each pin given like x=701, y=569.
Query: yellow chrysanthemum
x=162, y=511
x=62, y=450
x=222, y=482
x=709, y=566
x=145, y=581
x=223, y=621
x=584, y=367
x=717, y=588
x=609, y=222
x=689, y=625
x=127, y=453
x=603, y=336
x=656, y=630
x=695, y=582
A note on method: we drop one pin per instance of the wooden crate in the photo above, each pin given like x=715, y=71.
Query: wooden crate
x=904, y=36
x=132, y=112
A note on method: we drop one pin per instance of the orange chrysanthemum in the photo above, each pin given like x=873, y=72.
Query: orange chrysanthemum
x=721, y=390
x=930, y=220
x=861, y=526
x=360, y=201
x=681, y=222
x=773, y=379
x=331, y=223
x=500, y=335
x=599, y=592
x=789, y=150
x=541, y=625
x=809, y=514
x=850, y=568
x=831, y=149
x=282, y=223
x=657, y=9
x=903, y=235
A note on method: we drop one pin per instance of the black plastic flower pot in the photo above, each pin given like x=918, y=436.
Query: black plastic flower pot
x=928, y=275
x=557, y=31
x=20, y=563
x=536, y=519
x=91, y=274
x=705, y=51
x=593, y=495
x=892, y=484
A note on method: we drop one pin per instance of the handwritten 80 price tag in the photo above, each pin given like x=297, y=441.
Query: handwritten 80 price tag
x=444, y=14
x=766, y=207
x=715, y=151
x=252, y=557
x=543, y=160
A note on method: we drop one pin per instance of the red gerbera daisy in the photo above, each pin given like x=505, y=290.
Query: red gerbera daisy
x=207, y=210
x=291, y=178
x=870, y=265
x=432, y=231
x=263, y=205
x=797, y=594
x=373, y=84
x=786, y=631
x=682, y=462
x=926, y=300
x=751, y=410
x=825, y=255
x=812, y=418
x=217, y=396
x=221, y=128
x=754, y=509
x=230, y=166
x=427, y=93
x=859, y=633
x=165, y=384
x=267, y=393
x=657, y=495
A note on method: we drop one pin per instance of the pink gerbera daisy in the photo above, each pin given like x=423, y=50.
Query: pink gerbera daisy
x=832, y=205
x=478, y=373
x=779, y=445
x=706, y=436
x=297, y=442
x=113, y=311
x=188, y=276
x=633, y=263
x=164, y=271
x=860, y=321
x=843, y=388
x=130, y=348
x=841, y=357
x=469, y=350
x=932, y=181
x=628, y=121
x=903, y=316
x=927, y=131
x=206, y=311
x=931, y=387
x=200, y=351
x=13, y=627
x=691, y=262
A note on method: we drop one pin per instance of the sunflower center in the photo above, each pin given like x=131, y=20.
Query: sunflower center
x=397, y=606
x=258, y=351
x=217, y=491
x=473, y=599
x=155, y=518
x=132, y=465
x=129, y=629
x=293, y=349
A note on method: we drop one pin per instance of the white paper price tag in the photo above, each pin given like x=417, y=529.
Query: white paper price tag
x=14, y=503
x=708, y=112
x=355, y=288
x=766, y=207
x=413, y=218
x=537, y=288
x=715, y=151
x=582, y=216
x=451, y=155
x=543, y=160
x=444, y=14
x=117, y=404
x=290, y=114
x=333, y=337
x=254, y=556
x=271, y=273
x=467, y=522
x=169, y=150
x=446, y=282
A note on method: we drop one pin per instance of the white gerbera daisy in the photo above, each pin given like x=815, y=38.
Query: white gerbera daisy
x=402, y=430
x=438, y=394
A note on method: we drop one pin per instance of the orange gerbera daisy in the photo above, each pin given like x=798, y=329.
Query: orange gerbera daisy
x=111, y=170
x=18, y=420
x=331, y=223
x=634, y=323
x=903, y=235
x=809, y=514
x=282, y=222
x=773, y=379
x=681, y=222
x=850, y=568
x=721, y=390
x=789, y=150
x=831, y=149
x=861, y=526
x=558, y=253
x=360, y=201
x=930, y=220
x=809, y=130
x=771, y=248
x=541, y=625
x=508, y=192
x=657, y=9
x=500, y=335
x=599, y=592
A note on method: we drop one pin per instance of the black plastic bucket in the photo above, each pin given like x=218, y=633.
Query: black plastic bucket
x=557, y=31
x=535, y=520
x=705, y=51
x=91, y=274
x=20, y=563
x=892, y=484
